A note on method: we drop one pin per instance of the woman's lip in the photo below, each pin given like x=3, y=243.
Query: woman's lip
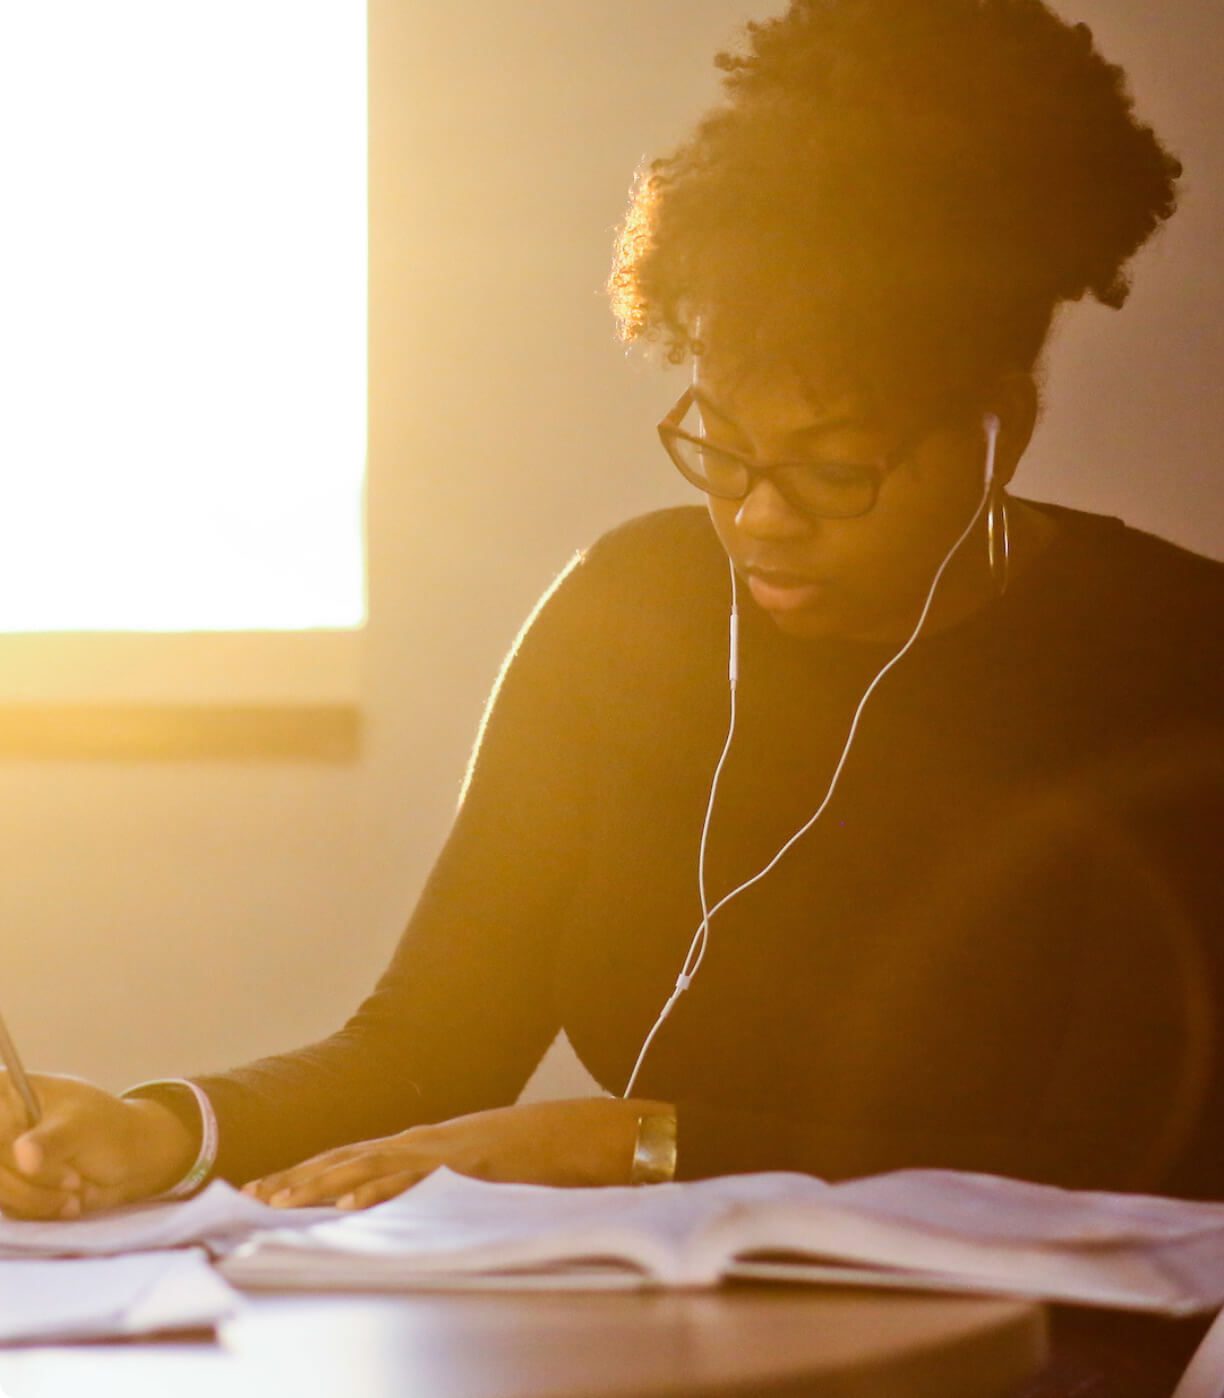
x=783, y=592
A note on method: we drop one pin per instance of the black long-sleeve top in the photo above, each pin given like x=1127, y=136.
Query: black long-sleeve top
x=1000, y=948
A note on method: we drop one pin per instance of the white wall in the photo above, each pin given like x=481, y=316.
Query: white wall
x=170, y=918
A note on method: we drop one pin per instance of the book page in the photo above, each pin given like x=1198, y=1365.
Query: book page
x=1131, y=1251
x=452, y=1223
x=993, y=1207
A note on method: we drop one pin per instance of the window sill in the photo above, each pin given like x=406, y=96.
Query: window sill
x=180, y=732
x=243, y=696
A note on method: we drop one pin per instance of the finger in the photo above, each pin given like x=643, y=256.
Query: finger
x=45, y=1151
x=379, y=1191
x=264, y=1188
x=22, y=1199
x=97, y=1197
x=12, y=1109
x=328, y=1185
x=53, y=1177
x=305, y=1173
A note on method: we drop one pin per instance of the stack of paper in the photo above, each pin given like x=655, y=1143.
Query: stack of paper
x=219, y=1218
x=105, y=1297
x=99, y=1277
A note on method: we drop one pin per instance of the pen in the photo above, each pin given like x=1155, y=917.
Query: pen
x=12, y=1061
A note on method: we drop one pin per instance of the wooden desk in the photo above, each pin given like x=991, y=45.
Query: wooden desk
x=751, y=1342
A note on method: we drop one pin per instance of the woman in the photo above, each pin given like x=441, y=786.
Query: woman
x=994, y=947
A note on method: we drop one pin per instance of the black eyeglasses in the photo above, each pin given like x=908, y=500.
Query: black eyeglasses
x=825, y=489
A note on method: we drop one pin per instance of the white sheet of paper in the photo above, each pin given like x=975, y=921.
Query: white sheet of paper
x=107, y=1297
x=219, y=1216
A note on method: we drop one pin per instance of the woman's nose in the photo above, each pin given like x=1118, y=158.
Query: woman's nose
x=765, y=513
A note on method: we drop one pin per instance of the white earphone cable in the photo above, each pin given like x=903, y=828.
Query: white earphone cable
x=686, y=975
x=697, y=947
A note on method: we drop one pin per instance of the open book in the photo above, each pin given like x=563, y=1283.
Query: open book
x=928, y=1229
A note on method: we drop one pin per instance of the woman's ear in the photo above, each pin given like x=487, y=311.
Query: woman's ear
x=1016, y=402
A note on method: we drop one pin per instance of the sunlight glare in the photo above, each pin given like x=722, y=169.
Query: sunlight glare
x=183, y=334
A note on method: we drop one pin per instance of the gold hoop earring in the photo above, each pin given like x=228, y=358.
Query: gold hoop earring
x=998, y=542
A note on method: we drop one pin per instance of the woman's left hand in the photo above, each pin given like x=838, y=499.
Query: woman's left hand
x=587, y=1142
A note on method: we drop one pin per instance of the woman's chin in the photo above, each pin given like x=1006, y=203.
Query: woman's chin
x=810, y=623
x=826, y=623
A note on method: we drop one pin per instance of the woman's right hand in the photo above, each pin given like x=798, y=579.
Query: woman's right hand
x=91, y=1150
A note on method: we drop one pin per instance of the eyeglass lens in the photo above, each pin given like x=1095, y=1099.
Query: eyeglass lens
x=836, y=489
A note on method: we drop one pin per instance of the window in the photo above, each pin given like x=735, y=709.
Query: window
x=182, y=345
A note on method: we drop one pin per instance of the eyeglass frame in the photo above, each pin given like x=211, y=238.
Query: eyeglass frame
x=669, y=429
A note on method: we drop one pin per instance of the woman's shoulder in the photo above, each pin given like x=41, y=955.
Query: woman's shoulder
x=1130, y=572
x=1139, y=618
x=658, y=566
x=646, y=583
x=670, y=540
x=1177, y=570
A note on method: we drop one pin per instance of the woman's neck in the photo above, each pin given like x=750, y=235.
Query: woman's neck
x=967, y=586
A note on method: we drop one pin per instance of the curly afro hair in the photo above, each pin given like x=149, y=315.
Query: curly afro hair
x=900, y=190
